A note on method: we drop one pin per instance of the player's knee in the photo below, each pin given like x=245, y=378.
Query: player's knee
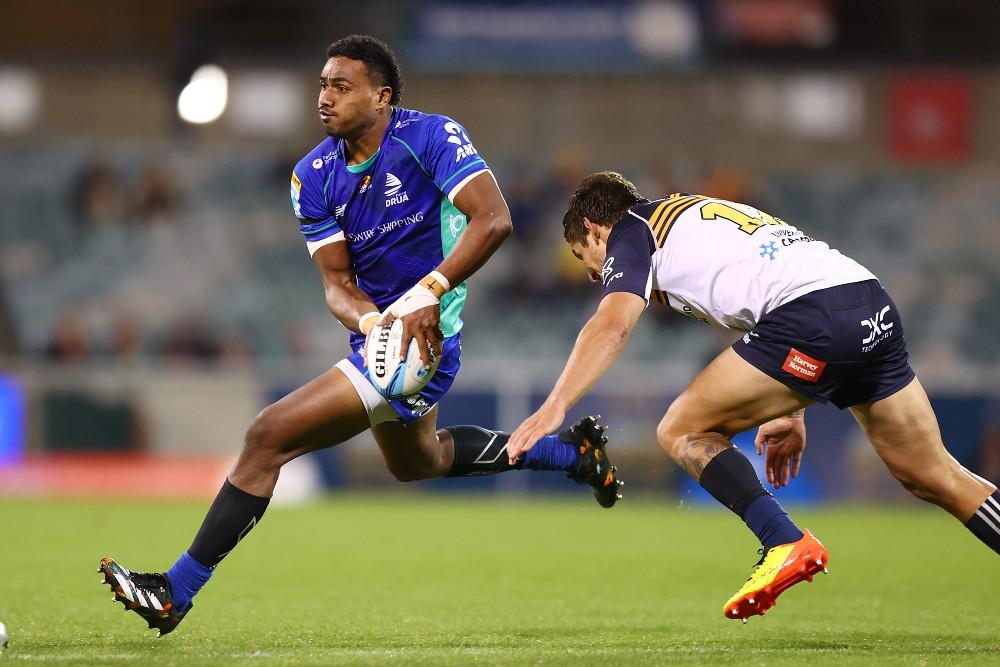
x=263, y=437
x=669, y=433
x=408, y=472
x=934, y=484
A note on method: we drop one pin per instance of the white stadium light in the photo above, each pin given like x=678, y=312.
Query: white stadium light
x=204, y=99
x=20, y=99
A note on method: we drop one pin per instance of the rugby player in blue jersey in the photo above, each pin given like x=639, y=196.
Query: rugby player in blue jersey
x=398, y=209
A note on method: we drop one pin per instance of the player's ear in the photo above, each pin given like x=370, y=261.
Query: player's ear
x=384, y=96
x=593, y=229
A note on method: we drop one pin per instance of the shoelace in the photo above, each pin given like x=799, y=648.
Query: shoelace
x=763, y=556
x=152, y=581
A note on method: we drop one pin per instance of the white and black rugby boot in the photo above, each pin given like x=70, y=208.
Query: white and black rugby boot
x=590, y=440
x=147, y=594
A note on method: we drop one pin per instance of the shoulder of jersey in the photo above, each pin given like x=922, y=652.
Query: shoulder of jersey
x=660, y=215
x=318, y=161
x=412, y=124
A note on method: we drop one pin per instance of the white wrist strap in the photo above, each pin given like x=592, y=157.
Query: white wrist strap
x=416, y=298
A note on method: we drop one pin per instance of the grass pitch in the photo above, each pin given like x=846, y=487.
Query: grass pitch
x=458, y=580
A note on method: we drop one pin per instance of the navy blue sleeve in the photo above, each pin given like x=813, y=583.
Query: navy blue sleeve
x=628, y=265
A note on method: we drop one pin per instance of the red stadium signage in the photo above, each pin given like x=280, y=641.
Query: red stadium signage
x=930, y=118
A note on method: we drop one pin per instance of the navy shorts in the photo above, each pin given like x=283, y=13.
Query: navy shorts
x=842, y=344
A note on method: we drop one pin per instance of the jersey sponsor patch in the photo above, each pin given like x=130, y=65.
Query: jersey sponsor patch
x=801, y=365
x=296, y=190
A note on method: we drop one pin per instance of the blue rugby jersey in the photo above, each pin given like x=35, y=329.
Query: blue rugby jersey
x=395, y=210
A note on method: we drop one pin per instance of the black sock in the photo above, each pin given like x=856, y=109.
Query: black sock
x=228, y=521
x=985, y=523
x=731, y=480
x=479, y=451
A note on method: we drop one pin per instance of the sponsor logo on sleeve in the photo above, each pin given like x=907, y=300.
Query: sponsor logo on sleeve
x=295, y=190
x=802, y=366
x=326, y=159
x=461, y=139
x=607, y=274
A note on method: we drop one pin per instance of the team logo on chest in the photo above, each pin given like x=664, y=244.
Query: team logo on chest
x=394, y=192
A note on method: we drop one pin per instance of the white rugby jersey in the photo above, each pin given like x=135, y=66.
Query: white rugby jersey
x=718, y=261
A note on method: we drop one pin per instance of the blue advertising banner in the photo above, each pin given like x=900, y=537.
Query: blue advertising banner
x=555, y=36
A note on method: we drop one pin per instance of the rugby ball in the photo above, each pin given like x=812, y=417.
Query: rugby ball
x=394, y=378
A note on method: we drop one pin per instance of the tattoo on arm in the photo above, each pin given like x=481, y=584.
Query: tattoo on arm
x=700, y=448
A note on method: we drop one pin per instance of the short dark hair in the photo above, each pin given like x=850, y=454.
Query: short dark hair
x=603, y=198
x=378, y=58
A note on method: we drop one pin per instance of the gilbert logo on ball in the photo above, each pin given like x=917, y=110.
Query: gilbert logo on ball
x=393, y=378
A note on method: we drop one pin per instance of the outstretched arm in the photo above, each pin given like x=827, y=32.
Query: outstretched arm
x=600, y=342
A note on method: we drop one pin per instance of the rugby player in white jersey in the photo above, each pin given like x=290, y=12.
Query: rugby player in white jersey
x=818, y=327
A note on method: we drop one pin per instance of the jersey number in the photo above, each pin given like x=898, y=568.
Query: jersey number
x=747, y=223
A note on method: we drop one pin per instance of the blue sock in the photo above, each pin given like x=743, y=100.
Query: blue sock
x=186, y=577
x=551, y=453
x=770, y=523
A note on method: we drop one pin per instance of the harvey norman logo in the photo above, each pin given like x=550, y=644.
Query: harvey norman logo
x=393, y=186
x=801, y=365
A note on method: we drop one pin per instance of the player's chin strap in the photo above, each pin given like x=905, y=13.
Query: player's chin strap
x=427, y=292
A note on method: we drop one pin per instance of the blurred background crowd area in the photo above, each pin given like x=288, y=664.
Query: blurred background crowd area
x=150, y=262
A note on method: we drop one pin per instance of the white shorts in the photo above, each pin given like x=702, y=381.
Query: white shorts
x=378, y=408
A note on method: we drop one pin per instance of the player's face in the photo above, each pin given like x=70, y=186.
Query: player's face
x=592, y=255
x=348, y=101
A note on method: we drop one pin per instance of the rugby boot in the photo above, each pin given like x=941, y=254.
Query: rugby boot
x=147, y=594
x=591, y=440
x=778, y=569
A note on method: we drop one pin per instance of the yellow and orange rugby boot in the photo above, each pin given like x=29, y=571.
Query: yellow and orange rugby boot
x=779, y=568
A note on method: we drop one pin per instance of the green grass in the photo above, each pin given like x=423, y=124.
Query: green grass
x=458, y=580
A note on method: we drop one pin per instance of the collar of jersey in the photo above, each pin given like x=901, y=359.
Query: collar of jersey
x=358, y=168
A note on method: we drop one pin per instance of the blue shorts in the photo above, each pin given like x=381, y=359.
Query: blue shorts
x=842, y=344
x=416, y=406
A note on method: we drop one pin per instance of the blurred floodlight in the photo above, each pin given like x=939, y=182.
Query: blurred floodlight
x=265, y=102
x=822, y=107
x=20, y=99
x=204, y=99
x=664, y=29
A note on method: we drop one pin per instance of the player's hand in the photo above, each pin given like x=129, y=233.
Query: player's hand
x=783, y=439
x=546, y=420
x=424, y=326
